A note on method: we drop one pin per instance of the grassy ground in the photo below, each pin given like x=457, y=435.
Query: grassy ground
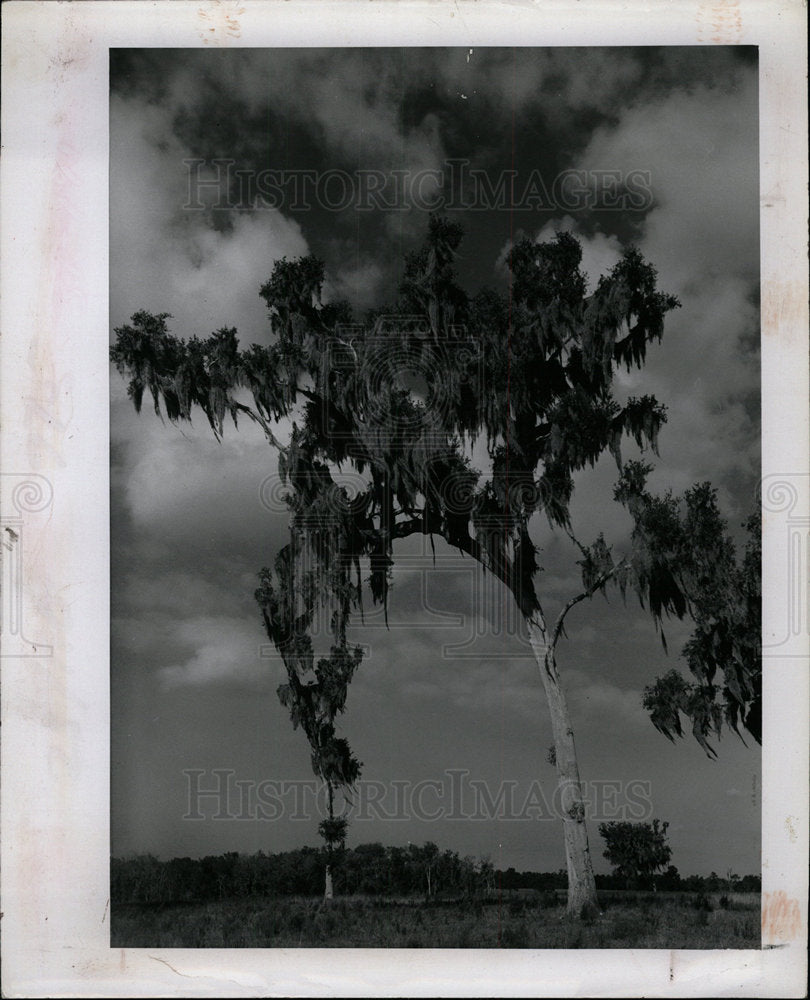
x=672, y=922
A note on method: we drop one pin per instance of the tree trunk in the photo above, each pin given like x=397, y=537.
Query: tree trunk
x=582, y=898
x=327, y=888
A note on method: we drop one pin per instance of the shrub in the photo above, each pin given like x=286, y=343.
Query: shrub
x=702, y=902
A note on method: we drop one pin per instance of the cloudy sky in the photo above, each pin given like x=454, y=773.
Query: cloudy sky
x=340, y=153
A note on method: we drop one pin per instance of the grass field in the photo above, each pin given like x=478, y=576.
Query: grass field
x=668, y=921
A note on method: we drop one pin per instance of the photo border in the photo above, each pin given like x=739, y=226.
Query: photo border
x=55, y=420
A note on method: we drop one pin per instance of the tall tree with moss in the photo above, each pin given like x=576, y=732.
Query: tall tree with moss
x=314, y=701
x=528, y=375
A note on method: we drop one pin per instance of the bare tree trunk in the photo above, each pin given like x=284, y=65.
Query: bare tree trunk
x=582, y=898
x=327, y=888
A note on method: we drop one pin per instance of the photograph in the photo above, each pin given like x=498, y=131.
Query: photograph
x=435, y=531
x=404, y=499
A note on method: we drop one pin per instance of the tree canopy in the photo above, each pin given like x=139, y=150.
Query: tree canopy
x=636, y=850
x=545, y=404
x=724, y=652
x=530, y=377
x=545, y=407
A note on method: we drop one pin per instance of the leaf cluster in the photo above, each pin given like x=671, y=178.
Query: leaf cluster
x=636, y=850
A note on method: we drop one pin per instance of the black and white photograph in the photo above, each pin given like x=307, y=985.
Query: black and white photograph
x=404, y=499
x=435, y=533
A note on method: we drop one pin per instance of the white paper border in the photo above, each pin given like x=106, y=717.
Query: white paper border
x=54, y=408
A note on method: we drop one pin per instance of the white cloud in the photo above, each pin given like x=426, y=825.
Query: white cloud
x=167, y=258
x=701, y=152
x=599, y=251
x=702, y=236
x=164, y=258
x=225, y=649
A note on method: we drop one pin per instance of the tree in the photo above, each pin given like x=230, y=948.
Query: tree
x=529, y=375
x=724, y=653
x=670, y=881
x=426, y=861
x=713, y=883
x=333, y=831
x=636, y=850
x=314, y=705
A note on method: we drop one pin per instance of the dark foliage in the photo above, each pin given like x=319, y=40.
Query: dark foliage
x=545, y=407
x=369, y=870
x=636, y=850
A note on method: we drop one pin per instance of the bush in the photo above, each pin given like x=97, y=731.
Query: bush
x=702, y=902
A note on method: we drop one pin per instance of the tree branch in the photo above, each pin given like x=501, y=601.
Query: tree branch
x=258, y=419
x=472, y=547
x=603, y=579
x=575, y=540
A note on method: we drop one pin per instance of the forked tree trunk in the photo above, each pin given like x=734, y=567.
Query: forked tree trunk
x=582, y=898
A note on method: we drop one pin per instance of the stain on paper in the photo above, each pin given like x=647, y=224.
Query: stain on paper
x=719, y=23
x=781, y=918
x=219, y=21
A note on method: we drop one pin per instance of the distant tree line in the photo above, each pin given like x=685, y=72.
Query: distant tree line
x=668, y=881
x=368, y=869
